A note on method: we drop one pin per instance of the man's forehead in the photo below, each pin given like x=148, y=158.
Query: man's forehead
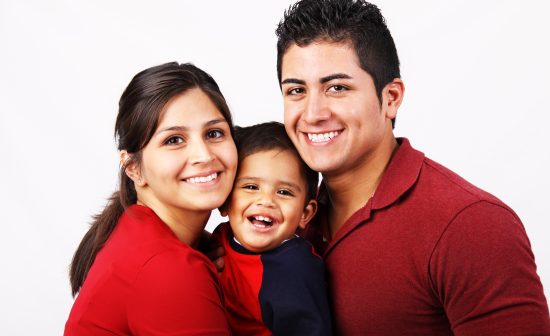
x=317, y=60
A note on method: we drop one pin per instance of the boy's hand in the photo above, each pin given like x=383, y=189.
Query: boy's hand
x=216, y=255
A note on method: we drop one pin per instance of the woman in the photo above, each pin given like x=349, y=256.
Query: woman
x=136, y=269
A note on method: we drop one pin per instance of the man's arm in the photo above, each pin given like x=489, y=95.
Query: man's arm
x=484, y=272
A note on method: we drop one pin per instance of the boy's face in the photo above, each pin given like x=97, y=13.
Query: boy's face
x=332, y=112
x=268, y=200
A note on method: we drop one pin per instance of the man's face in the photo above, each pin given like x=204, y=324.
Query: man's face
x=332, y=112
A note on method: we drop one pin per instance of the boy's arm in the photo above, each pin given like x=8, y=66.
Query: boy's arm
x=294, y=297
x=211, y=246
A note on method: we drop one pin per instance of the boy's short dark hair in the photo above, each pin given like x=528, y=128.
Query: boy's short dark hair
x=268, y=136
x=355, y=21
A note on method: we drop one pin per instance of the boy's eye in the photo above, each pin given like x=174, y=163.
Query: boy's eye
x=174, y=140
x=285, y=192
x=250, y=187
x=214, y=134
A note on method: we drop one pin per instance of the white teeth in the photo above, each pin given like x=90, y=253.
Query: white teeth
x=202, y=179
x=263, y=219
x=322, y=137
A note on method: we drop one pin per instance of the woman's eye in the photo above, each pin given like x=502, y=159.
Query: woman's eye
x=214, y=134
x=285, y=192
x=174, y=140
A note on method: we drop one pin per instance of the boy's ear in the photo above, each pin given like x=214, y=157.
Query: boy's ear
x=131, y=169
x=309, y=212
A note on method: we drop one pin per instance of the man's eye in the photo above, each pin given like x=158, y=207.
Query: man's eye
x=174, y=140
x=214, y=134
x=337, y=88
x=295, y=91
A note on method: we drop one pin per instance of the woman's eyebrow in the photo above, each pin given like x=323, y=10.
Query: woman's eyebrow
x=185, y=128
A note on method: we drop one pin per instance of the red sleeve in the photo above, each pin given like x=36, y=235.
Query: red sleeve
x=484, y=273
x=176, y=293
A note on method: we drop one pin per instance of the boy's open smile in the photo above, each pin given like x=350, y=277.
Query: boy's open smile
x=268, y=200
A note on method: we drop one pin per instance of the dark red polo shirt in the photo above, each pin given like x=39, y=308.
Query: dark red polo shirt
x=431, y=254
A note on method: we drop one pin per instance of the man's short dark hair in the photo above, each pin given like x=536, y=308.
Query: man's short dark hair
x=268, y=136
x=355, y=21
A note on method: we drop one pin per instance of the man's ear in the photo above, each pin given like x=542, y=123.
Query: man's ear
x=131, y=169
x=309, y=211
x=392, y=96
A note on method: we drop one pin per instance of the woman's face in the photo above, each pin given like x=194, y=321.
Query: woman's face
x=191, y=160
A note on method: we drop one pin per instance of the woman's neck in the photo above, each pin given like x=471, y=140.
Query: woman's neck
x=187, y=225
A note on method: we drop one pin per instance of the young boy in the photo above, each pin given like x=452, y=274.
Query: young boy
x=273, y=282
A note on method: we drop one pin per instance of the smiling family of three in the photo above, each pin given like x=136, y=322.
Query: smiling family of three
x=389, y=243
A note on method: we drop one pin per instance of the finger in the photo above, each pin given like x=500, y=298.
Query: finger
x=219, y=263
x=216, y=253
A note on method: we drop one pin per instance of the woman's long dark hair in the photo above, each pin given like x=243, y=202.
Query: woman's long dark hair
x=139, y=112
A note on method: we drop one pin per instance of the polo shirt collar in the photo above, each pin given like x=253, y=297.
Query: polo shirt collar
x=400, y=175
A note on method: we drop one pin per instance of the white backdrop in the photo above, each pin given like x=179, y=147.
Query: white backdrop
x=476, y=76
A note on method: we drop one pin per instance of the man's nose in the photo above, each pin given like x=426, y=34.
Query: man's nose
x=316, y=109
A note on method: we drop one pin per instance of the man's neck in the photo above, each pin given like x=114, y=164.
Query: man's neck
x=350, y=191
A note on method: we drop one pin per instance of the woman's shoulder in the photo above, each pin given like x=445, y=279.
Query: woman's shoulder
x=145, y=243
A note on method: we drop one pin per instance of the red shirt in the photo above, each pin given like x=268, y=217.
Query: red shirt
x=144, y=281
x=430, y=254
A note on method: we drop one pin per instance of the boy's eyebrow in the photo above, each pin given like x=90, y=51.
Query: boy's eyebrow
x=279, y=182
x=323, y=80
x=185, y=128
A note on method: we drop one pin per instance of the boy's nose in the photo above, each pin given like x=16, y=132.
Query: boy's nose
x=266, y=200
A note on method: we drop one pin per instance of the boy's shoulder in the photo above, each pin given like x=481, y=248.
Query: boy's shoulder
x=295, y=256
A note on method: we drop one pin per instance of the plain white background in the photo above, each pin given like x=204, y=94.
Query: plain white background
x=476, y=76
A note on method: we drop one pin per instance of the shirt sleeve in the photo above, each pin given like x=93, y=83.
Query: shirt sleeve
x=176, y=293
x=293, y=297
x=484, y=273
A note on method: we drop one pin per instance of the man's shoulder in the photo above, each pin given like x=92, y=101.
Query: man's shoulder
x=444, y=181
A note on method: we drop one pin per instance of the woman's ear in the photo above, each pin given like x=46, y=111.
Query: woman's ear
x=309, y=211
x=131, y=169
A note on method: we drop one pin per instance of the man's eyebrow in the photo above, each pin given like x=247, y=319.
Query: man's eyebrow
x=334, y=76
x=293, y=81
x=185, y=128
x=323, y=80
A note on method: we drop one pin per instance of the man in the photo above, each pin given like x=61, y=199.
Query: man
x=410, y=247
